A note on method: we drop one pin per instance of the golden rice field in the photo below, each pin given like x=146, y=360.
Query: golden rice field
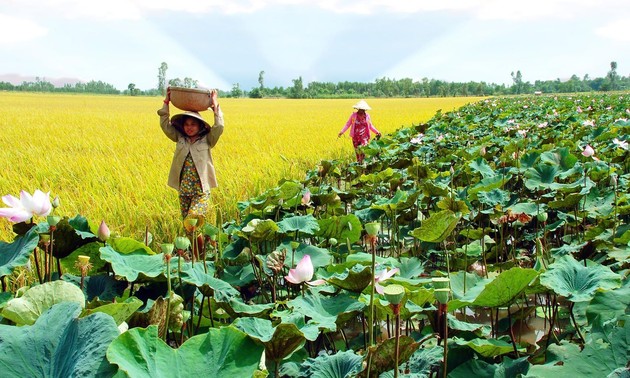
x=106, y=157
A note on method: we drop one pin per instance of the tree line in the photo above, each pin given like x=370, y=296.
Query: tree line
x=383, y=87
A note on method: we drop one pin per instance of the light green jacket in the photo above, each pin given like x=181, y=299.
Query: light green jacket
x=200, y=150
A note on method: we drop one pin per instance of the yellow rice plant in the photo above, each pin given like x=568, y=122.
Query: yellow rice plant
x=107, y=159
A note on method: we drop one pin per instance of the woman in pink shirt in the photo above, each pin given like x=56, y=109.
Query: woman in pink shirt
x=360, y=126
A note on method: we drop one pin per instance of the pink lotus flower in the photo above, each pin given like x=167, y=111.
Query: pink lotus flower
x=303, y=273
x=588, y=151
x=382, y=277
x=306, y=198
x=103, y=232
x=27, y=206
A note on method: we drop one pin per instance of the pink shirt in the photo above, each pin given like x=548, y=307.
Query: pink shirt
x=352, y=121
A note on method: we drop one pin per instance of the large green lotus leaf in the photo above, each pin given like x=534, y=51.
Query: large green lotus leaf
x=529, y=208
x=561, y=157
x=542, y=176
x=224, y=352
x=437, y=227
x=128, y=245
x=239, y=275
x=571, y=279
x=410, y=268
x=609, y=304
x=480, y=368
x=343, y=364
x=400, y=201
x=324, y=311
x=423, y=360
x=280, y=341
x=355, y=279
x=382, y=355
x=120, y=311
x=207, y=284
x=567, y=202
x=462, y=286
x=487, y=347
x=494, y=197
x=289, y=189
x=343, y=228
x=506, y=287
x=59, y=344
x=306, y=224
x=236, y=308
x=103, y=286
x=17, y=253
x=479, y=165
x=606, y=350
x=260, y=229
x=320, y=257
x=29, y=307
x=599, y=205
x=133, y=265
x=488, y=184
x=460, y=325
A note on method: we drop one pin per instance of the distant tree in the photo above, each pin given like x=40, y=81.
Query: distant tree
x=612, y=77
x=518, y=82
x=162, y=78
x=236, y=91
x=132, y=89
x=297, y=91
x=261, y=79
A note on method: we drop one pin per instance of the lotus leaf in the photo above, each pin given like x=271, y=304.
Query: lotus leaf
x=36, y=300
x=306, y=224
x=381, y=355
x=345, y=227
x=279, y=341
x=355, y=279
x=324, y=311
x=17, y=253
x=480, y=368
x=487, y=347
x=207, y=284
x=609, y=304
x=571, y=279
x=343, y=364
x=438, y=227
x=134, y=265
x=119, y=311
x=227, y=351
x=58, y=344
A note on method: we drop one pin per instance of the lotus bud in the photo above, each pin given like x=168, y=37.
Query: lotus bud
x=332, y=241
x=306, y=198
x=394, y=293
x=482, y=151
x=103, y=232
x=167, y=248
x=542, y=217
x=53, y=220
x=588, y=151
x=182, y=243
x=55, y=202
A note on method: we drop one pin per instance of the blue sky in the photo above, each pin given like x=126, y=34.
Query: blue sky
x=224, y=42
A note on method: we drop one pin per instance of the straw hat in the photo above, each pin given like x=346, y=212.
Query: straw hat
x=178, y=120
x=362, y=105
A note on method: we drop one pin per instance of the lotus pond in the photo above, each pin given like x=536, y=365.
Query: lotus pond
x=493, y=241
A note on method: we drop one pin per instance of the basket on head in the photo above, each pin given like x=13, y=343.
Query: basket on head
x=190, y=99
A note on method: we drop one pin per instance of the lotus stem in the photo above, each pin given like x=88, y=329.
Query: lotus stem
x=396, y=309
x=168, y=293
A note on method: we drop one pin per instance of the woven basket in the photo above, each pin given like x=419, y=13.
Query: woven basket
x=189, y=99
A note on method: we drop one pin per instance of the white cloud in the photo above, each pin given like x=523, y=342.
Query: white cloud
x=618, y=30
x=16, y=30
